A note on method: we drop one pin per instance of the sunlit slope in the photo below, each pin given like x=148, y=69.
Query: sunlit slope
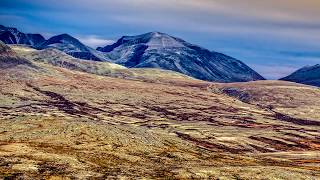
x=60, y=59
x=296, y=100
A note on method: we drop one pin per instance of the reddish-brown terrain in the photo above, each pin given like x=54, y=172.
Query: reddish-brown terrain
x=58, y=123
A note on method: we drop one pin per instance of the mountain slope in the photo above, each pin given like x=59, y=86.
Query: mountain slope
x=73, y=47
x=9, y=59
x=63, y=42
x=309, y=75
x=151, y=50
x=58, y=58
x=159, y=50
x=10, y=35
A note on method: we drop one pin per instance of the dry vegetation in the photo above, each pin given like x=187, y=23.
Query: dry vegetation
x=57, y=123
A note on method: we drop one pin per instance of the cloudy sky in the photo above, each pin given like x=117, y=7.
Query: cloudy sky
x=274, y=37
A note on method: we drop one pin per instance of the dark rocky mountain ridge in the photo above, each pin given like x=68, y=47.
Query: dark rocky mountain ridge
x=309, y=75
x=63, y=42
x=11, y=35
x=72, y=46
x=160, y=50
x=150, y=50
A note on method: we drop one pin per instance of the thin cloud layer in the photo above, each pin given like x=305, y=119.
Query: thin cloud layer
x=94, y=41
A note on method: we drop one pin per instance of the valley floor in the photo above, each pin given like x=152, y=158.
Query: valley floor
x=57, y=123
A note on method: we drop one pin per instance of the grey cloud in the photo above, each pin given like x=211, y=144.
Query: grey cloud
x=94, y=41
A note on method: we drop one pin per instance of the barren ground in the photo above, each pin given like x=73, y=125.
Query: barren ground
x=57, y=123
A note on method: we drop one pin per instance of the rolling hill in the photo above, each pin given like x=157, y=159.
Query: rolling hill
x=64, y=123
x=58, y=58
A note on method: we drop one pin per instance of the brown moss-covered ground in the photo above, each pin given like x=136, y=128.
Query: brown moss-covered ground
x=62, y=124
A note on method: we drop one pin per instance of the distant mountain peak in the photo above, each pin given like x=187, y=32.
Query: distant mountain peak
x=149, y=50
x=309, y=75
x=66, y=40
x=63, y=37
x=160, y=50
x=151, y=40
x=10, y=29
x=73, y=47
x=148, y=35
x=156, y=34
x=308, y=67
x=10, y=35
x=162, y=40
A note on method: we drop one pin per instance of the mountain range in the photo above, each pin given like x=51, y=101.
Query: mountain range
x=150, y=50
x=63, y=42
x=11, y=35
x=157, y=50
